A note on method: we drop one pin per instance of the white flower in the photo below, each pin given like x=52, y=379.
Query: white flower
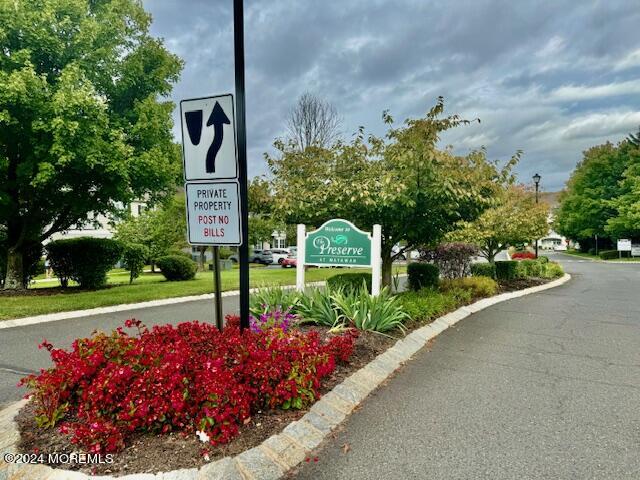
x=202, y=436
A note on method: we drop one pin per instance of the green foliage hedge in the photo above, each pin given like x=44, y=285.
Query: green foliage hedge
x=483, y=270
x=478, y=286
x=539, y=269
x=350, y=281
x=177, y=267
x=506, y=270
x=422, y=275
x=608, y=254
x=85, y=260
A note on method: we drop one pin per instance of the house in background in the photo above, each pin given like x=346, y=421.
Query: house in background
x=553, y=240
x=99, y=226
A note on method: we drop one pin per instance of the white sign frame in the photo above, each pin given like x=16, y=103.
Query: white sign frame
x=195, y=154
x=236, y=211
x=624, y=245
x=376, y=258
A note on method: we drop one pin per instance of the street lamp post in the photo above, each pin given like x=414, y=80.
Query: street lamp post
x=536, y=180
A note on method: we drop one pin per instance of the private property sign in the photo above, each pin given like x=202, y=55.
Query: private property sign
x=213, y=213
x=211, y=170
x=338, y=243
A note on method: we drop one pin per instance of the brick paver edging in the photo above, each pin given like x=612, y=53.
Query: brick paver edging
x=279, y=453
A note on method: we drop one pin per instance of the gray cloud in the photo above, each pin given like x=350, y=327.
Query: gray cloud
x=550, y=77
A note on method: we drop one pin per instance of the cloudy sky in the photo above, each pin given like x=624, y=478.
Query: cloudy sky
x=548, y=77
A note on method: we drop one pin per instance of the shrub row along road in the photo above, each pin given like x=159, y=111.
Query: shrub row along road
x=544, y=386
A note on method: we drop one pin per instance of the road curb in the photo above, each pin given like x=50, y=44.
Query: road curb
x=275, y=456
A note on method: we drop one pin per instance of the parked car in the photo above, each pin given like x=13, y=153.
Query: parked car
x=254, y=254
x=279, y=254
x=289, y=262
x=265, y=257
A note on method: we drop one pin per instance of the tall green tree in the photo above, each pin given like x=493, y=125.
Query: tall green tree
x=626, y=222
x=513, y=217
x=416, y=192
x=586, y=203
x=83, y=121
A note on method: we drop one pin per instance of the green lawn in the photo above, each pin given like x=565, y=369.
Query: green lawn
x=595, y=257
x=150, y=287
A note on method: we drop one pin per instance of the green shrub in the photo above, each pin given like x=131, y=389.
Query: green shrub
x=134, y=258
x=422, y=275
x=224, y=252
x=85, y=260
x=177, y=267
x=530, y=268
x=592, y=251
x=350, y=281
x=357, y=308
x=506, y=270
x=543, y=259
x=483, y=270
x=427, y=304
x=478, y=286
x=608, y=254
x=553, y=270
x=269, y=299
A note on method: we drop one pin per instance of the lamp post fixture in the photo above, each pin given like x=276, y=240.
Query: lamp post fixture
x=536, y=180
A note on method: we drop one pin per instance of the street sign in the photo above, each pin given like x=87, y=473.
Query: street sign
x=624, y=245
x=338, y=243
x=635, y=250
x=209, y=138
x=213, y=213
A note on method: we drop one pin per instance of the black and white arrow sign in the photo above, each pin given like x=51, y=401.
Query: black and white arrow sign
x=208, y=138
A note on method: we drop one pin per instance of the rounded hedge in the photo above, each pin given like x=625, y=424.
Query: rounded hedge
x=177, y=267
x=85, y=260
x=422, y=275
x=609, y=254
x=483, y=270
x=506, y=269
x=350, y=281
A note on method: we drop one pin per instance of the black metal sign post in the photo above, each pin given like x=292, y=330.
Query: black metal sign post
x=238, y=38
x=218, y=287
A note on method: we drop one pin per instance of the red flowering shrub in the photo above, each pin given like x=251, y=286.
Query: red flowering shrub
x=186, y=378
x=523, y=256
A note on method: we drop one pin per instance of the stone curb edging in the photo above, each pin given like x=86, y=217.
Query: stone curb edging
x=279, y=453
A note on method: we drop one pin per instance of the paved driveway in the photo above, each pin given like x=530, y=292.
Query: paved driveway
x=542, y=387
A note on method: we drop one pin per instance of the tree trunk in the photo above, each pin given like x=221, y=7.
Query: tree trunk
x=387, y=264
x=491, y=256
x=15, y=270
x=202, y=258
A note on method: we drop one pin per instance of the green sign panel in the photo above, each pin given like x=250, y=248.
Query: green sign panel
x=338, y=243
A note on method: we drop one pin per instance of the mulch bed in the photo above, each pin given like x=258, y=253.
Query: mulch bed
x=161, y=453
x=47, y=291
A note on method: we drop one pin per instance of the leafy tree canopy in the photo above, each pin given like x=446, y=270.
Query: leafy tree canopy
x=83, y=124
x=403, y=182
x=513, y=217
x=591, y=200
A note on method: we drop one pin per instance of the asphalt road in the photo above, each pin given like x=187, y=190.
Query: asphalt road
x=546, y=386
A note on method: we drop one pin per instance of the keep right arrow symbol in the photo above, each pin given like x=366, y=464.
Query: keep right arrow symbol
x=218, y=119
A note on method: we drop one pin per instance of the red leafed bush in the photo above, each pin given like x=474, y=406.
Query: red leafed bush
x=186, y=378
x=523, y=256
